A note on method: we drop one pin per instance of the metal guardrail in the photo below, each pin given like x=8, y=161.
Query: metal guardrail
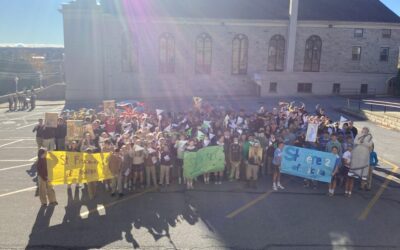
x=356, y=92
x=373, y=105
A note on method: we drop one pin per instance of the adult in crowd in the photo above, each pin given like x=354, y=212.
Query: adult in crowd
x=46, y=190
x=38, y=129
x=360, y=157
x=277, y=161
x=61, y=133
x=49, y=137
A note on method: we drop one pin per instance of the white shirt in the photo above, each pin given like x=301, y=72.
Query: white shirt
x=347, y=157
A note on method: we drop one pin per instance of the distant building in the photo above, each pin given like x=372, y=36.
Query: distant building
x=33, y=65
x=157, y=48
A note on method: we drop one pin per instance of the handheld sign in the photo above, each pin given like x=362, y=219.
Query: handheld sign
x=109, y=107
x=74, y=130
x=307, y=163
x=312, y=131
x=50, y=120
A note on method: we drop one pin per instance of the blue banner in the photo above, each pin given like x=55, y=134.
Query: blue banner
x=307, y=163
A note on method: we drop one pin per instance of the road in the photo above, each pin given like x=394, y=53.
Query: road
x=211, y=216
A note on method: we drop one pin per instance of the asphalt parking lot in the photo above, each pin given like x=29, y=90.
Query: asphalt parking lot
x=211, y=216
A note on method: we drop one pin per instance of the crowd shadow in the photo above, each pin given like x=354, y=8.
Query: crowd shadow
x=96, y=228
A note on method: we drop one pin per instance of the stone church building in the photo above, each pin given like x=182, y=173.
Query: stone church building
x=167, y=48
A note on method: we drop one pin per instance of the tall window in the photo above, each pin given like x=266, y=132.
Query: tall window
x=240, y=47
x=167, y=53
x=276, y=53
x=203, y=54
x=129, y=55
x=384, y=54
x=312, y=56
x=356, y=53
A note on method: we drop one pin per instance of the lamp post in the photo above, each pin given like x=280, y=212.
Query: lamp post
x=40, y=79
x=16, y=79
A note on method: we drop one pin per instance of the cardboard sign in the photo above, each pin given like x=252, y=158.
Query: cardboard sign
x=312, y=131
x=50, y=120
x=109, y=107
x=88, y=128
x=74, y=130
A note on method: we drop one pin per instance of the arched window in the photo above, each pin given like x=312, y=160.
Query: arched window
x=312, y=56
x=167, y=53
x=240, y=46
x=129, y=54
x=203, y=54
x=276, y=53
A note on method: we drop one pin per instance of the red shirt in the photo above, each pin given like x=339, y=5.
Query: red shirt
x=111, y=125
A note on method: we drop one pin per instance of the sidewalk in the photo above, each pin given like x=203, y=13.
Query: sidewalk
x=38, y=104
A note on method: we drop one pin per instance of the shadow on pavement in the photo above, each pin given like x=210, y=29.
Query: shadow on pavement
x=114, y=223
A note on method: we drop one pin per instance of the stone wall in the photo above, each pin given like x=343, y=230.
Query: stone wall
x=337, y=46
x=185, y=82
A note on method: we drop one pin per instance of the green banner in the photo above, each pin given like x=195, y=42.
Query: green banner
x=209, y=159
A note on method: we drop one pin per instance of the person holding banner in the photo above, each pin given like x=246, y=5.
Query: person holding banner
x=276, y=161
x=46, y=190
x=335, y=172
x=180, y=149
x=190, y=148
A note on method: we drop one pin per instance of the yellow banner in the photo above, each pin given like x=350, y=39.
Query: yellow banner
x=71, y=167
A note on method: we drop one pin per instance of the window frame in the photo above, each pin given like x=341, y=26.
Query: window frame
x=386, y=35
x=313, y=45
x=203, y=68
x=305, y=87
x=387, y=54
x=276, y=61
x=129, y=54
x=358, y=35
x=338, y=85
x=167, y=67
x=356, y=59
x=273, y=87
x=243, y=45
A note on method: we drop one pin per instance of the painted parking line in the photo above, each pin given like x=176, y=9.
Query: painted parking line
x=19, y=166
x=18, y=191
x=1, y=146
x=14, y=160
x=28, y=125
x=378, y=194
x=248, y=205
x=102, y=207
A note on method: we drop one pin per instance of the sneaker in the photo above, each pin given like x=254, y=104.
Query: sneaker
x=275, y=188
x=113, y=194
x=280, y=186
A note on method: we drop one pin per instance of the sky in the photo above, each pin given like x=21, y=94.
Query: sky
x=40, y=22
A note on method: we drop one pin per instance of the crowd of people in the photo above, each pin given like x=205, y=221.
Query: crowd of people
x=147, y=147
x=20, y=101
